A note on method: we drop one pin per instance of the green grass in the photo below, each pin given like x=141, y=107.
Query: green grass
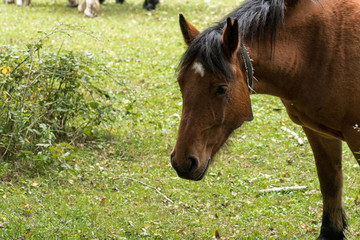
x=105, y=188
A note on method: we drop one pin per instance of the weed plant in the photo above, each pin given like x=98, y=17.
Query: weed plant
x=49, y=101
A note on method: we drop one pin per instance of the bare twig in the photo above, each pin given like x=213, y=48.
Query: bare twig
x=294, y=134
x=147, y=185
x=282, y=189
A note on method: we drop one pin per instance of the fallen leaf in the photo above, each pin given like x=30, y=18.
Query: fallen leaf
x=102, y=201
x=183, y=231
x=34, y=184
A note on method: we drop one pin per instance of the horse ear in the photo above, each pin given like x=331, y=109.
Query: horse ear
x=231, y=37
x=189, y=32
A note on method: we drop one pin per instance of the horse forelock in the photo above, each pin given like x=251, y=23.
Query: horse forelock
x=206, y=48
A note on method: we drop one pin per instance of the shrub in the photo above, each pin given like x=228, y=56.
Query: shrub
x=48, y=101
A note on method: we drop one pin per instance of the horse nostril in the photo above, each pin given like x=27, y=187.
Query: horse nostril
x=193, y=163
x=187, y=166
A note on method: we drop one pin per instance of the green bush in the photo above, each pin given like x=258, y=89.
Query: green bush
x=48, y=101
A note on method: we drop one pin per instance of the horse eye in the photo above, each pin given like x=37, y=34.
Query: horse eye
x=221, y=91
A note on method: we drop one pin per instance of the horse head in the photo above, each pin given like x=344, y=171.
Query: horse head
x=216, y=96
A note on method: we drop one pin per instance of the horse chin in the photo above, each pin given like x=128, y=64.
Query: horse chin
x=201, y=176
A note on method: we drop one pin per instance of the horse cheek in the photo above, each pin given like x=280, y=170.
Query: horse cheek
x=238, y=110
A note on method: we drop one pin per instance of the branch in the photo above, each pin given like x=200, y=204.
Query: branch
x=294, y=134
x=147, y=185
x=282, y=189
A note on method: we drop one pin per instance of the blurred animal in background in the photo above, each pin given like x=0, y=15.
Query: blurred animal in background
x=71, y=3
x=90, y=8
x=148, y=4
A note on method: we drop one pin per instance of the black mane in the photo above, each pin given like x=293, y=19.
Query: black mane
x=255, y=18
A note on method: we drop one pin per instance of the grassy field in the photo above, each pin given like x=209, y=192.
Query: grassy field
x=120, y=185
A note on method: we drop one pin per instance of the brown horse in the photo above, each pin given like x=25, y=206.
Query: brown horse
x=307, y=53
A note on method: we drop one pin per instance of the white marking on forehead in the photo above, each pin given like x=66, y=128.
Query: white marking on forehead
x=199, y=68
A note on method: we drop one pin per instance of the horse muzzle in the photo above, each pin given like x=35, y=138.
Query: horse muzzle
x=189, y=167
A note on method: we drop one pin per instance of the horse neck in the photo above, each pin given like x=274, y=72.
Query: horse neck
x=275, y=69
